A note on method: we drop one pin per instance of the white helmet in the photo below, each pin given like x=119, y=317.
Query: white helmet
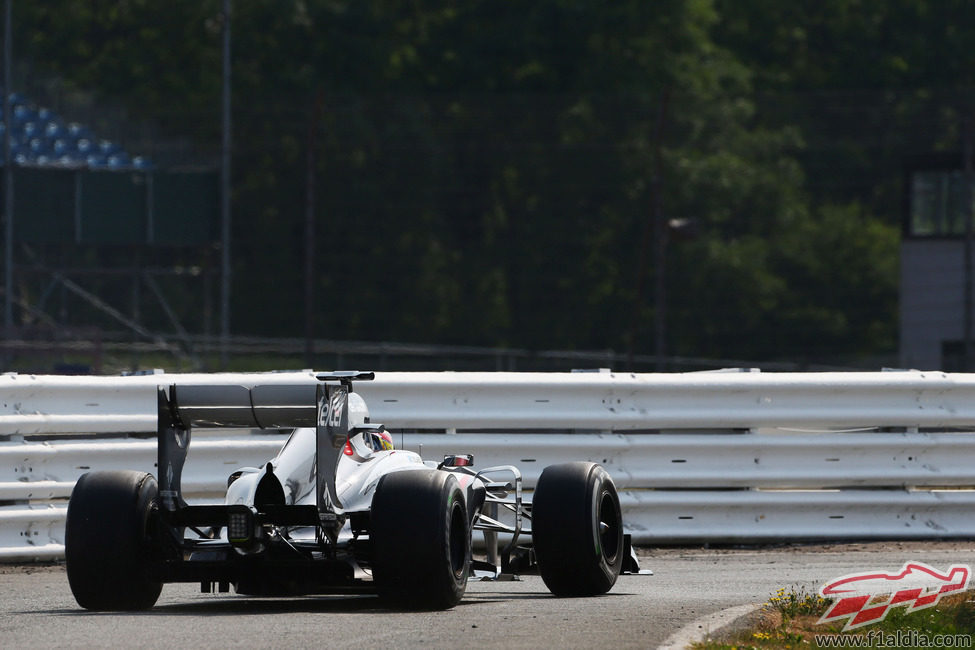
x=358, y=411
x=364, y=438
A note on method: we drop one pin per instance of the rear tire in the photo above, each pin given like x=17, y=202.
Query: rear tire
x=421, y=540
x=107, y=548
x=577, y=529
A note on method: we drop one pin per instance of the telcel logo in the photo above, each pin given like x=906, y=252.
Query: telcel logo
x=915, y=586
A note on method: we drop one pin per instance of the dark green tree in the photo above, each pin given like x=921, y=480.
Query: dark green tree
x=489, y=173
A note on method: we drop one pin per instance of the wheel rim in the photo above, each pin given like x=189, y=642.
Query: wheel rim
x=609, y=527
x=458, y=542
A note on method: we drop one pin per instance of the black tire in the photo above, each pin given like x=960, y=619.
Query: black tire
x=107, y=548
x=577, y=529
x=421, y=540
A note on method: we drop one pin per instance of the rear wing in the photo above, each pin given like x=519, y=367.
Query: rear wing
x=323, y=405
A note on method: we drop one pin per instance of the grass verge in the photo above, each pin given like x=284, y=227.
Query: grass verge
x=790, y=619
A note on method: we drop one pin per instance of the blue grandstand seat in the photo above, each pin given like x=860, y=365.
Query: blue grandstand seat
x=78, y=131
x=23, y=114
x=38, y=146
x=119, y=160
x=55, y=129
x=39, y=136
x=108, y=147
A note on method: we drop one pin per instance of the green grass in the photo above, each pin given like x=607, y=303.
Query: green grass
x=789, y=619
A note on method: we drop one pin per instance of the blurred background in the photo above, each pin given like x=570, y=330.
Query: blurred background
x=517, y=185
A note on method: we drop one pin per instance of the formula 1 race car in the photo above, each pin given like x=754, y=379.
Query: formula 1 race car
x=338, y=510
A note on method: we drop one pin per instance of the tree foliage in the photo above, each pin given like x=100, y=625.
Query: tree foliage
x=487, y=173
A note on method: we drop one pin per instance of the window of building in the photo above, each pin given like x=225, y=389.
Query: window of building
x=938, y=203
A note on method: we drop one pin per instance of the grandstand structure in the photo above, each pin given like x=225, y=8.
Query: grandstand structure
x=107, y=244
x=40, y=137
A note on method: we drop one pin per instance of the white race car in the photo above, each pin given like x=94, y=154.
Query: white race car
x=338, y=510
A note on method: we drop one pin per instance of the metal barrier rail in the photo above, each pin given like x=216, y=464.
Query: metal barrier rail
x=697, y=457
x=625, y=401
x=35, y=404
x=649, y=469
x=36, y=479
x=695, y=461
x=48, y=470
x=653, y=517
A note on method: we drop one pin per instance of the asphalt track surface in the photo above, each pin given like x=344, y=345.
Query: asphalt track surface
x=38, y=611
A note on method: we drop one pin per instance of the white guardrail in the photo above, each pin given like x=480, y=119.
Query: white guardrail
x=718, y=457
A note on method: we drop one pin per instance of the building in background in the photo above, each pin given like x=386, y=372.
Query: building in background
x=933, y=275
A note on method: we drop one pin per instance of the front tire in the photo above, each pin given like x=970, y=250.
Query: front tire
x=108, y=552
x=421, y=540
x=577, y=529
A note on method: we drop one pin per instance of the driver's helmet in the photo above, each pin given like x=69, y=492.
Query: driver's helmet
x=363, y=442
x=380, y=439
x=358, y=411
x=365, y=439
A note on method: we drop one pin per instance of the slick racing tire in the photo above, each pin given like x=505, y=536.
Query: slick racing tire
x=577, y=529
x=107, y=548
x=421, y=540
